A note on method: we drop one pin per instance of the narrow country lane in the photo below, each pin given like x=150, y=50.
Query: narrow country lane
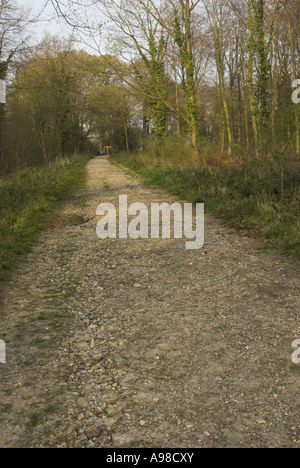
x=141, y=343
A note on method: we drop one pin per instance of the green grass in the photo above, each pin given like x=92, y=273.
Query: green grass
x=260, y=199
x=34, y=419
x=28, y=199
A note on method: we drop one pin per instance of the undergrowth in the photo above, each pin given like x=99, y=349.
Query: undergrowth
x=27, y=199
x=261, y=198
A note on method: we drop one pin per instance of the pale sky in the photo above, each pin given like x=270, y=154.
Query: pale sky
x=47, y=21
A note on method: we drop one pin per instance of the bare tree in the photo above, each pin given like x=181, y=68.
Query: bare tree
x=13, y=36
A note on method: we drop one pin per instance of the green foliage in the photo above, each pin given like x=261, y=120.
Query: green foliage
x=154, y=85
x=108, y=105
x=64, y=101
x=27, y=199
x=175, y=150
x=261, y=200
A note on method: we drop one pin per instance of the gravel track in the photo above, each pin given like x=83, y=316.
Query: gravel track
x=141, y=343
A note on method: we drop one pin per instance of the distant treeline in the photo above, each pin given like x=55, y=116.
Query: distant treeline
x=217, y=74
x=62, y=102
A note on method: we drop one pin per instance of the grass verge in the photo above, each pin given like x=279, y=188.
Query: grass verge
x=27, y=200
x=260, y=199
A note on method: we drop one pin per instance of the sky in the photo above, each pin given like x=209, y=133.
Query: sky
x=47, y=22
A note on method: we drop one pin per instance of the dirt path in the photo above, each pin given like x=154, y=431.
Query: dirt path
x=126, y=343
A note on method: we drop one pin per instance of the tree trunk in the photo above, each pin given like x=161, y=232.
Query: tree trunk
x=3, y=73
x=252, y=103
x=126, y=136
x=296, y=107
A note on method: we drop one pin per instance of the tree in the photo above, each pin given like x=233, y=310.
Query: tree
x=13, y=19
x=220, y=69
x=48, y=103
x=292, y=11
x=110, y=106
x=142, y=38
x=177, y=23
x=217, y=13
